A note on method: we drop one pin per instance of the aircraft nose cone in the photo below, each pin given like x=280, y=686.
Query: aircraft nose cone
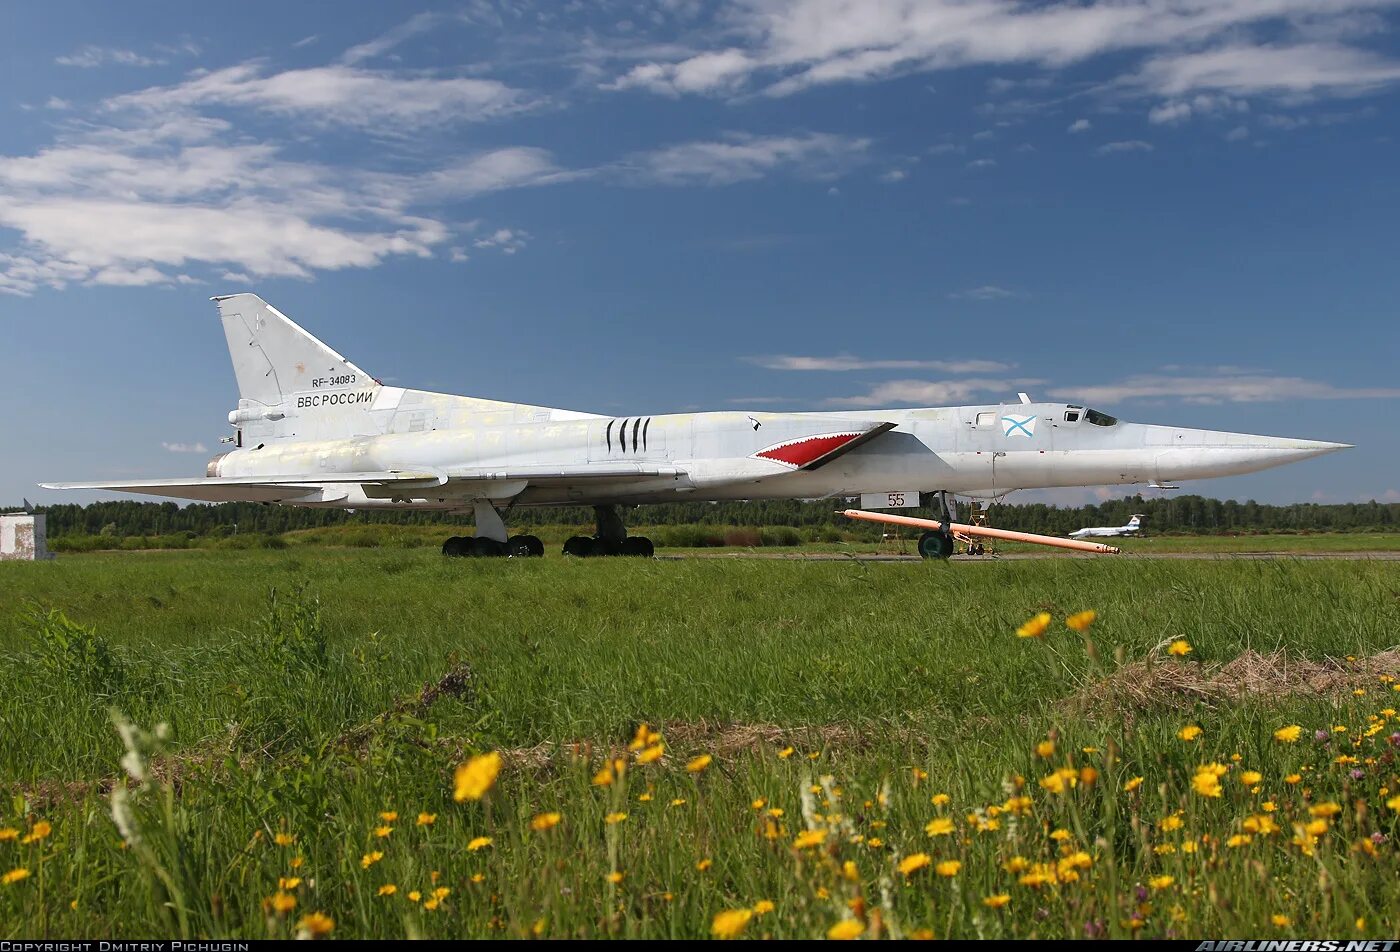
x=1194, y=454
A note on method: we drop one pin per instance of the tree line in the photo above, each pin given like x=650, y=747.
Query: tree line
x=1181, y=514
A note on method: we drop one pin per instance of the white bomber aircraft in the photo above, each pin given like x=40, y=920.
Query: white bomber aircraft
x=314, y=429
x=1108, y=532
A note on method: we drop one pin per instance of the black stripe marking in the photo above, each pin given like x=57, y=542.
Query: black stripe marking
x=610, y=426
x=622, y=436
x=644, y=434
x=636, y=427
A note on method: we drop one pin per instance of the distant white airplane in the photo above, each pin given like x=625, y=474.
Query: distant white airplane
x=1093, y=532
x=314, y=429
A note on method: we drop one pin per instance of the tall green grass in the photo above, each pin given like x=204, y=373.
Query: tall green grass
x=290, y=686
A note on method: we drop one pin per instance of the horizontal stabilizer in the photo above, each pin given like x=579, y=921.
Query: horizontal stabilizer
x=257, y=488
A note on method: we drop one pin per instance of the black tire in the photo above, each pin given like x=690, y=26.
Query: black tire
x=580, y=546
x=483, y=547
x=935, y=545
x=606, y=547
x=518, y=548
x=638, y=546
x=455, y=546
x=535, y=545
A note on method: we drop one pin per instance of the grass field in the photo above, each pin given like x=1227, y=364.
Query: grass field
x=886, y=756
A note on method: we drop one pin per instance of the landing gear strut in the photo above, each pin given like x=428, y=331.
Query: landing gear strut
x=939, y=544
x=611, y=539
x=491, y=540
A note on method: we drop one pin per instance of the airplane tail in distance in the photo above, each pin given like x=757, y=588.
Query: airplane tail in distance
x=1135, y=522
x=273, y=358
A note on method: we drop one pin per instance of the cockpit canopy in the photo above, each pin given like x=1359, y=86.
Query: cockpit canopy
x=1094, y=417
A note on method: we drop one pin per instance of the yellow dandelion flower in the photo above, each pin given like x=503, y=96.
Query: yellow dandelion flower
x=1394, y=803
x=369, y=859
x=383, y=831
x=316, y=924
x=1326, y=809
x=949, y=867
x=296, y=862
x=604, y=777
x=475, y=777
x=1181, y=648
x=280, y=903
x=644, y=798
x=808, y=838
x=1315, y=827
x=730, y=923
x=845, y=929
x=18, y=874
x=427, y=819
x=1289, y=734
x=1045, y=748
x=1080, y=621
x=699, y=763
x=763, y=907
x=612, y=819
x=1159, y=883
x=1034, y=627
x=388, y=889
x=1189, y=733
x=914, y=862
x=651, y=754
x=850, y=871
x=479, y=843
x=940, y=799
x=545, y=821
x=389, y=816
x=1251, y=777
x=1293, y=778
x=678, y=802
x=785, y=753
x=1169, y=823
x=8, y=833
x=1238, y=840
x=288, y=882
x=414, y=895
x=997, y=901
x=1060, y=835
x=1132, y=784
x=614, y=877
x=939, y=826
x=284, y=839
x=1280, y=920
x=1206, y=784
x=644, y=736
x=704, y=864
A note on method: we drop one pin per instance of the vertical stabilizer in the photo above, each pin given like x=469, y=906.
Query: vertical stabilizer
x=273, y=358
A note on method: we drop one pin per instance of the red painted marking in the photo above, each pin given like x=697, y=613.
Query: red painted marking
x=801, y=452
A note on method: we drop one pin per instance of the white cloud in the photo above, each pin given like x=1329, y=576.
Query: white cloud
x=987, y=292
x=930, y=393
x=741, y=157
x=91, y=57
x=780, y=47
x=1169, y=112
x=185, y=447
x=1237, y=134
x=419, y=23
x=506, y=240
x=339, y=94
x=846, y=362
x=982, y=164
x=1220, y=388
x=172, y=193
x=893, y=176
x=1080, y=125
x=1127, y=145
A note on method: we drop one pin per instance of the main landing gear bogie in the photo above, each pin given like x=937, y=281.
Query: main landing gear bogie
x=588, y=546
x=517, y=547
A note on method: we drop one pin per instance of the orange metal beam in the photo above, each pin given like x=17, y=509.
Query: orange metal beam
x=1006, y=534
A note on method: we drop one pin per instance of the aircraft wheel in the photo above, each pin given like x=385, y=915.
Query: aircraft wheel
x=637, y=545
x=935, y=545
x=455, y=546
x=606, y=547
x=483, y=547
x=534, y=547
x=518, y=548
x=580, y=546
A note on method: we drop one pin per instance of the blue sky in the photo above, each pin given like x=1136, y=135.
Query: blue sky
x=1182, y=211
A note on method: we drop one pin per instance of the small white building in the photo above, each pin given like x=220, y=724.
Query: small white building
x=22, y=538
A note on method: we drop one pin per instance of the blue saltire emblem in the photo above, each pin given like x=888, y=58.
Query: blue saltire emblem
x=1018, y=426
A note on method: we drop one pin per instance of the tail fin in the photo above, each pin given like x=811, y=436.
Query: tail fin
x=1135, y=522
x=273, y=358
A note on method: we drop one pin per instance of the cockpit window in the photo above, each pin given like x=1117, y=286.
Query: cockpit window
x=1071, y=416
x=1099, y=419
